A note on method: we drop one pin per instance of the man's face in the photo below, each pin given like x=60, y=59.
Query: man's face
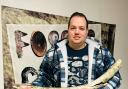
x=77, y=31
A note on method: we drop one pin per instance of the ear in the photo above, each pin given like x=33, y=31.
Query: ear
x=87, y=31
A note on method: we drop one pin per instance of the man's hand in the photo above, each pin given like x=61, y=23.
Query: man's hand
x=23, y=86
x=26, y=86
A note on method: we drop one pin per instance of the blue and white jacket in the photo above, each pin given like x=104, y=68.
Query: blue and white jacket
x=54, y=68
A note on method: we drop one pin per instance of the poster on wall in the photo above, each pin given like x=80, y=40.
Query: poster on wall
x=26, y=37
x=34, y=40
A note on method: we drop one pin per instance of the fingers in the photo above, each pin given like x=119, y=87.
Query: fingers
x=23, y=86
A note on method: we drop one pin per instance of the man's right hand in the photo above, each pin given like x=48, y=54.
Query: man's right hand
x=24, y=86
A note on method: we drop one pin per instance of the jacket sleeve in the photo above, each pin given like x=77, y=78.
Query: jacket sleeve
x=44, y=78
x=105, y=61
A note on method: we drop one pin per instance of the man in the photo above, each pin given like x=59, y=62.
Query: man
x=76, y=60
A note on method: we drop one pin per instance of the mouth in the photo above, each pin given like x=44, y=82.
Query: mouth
x=76, y=37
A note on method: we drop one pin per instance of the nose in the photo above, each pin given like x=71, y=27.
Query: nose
x=76, y=30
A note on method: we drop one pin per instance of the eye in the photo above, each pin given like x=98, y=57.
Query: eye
x=82, y=28
x=72, y=28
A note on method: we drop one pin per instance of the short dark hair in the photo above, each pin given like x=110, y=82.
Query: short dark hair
x=80, y=15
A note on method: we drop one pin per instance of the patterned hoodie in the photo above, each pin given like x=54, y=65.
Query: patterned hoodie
x=54, y=67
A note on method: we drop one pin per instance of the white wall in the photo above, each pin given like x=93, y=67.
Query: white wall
x=1, y=56
x=109, y=11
